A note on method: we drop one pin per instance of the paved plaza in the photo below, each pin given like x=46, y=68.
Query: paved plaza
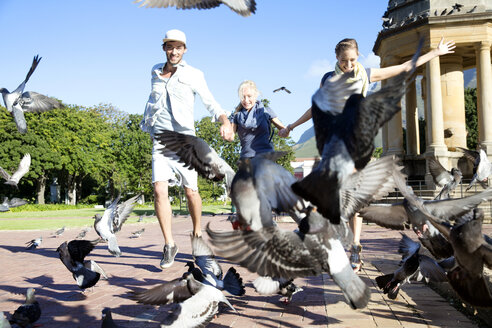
x=320, y=304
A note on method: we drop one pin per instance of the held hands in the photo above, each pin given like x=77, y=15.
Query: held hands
x=226, y=131
x=284, y=133
x=445, y=48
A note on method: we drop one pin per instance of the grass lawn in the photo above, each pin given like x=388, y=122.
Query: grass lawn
x=45, y=220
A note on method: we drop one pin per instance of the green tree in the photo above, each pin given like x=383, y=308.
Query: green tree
x=471, y=118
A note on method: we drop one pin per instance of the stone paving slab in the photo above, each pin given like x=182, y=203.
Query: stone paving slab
x=321, y=304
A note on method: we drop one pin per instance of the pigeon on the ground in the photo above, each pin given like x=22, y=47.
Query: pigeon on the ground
x=482, y=167
x=34, y=243
x=107, y=319
x=23, y=168
x=17, y=102
x=196, y=303
x=261, y=186
x=83, y=233
x=29, y=312
x=265, y=285
x=59, y=232
x=447, y=180
x=111, y=221
x=345, y=132
x=241, y=7
x=411, y=265
x=4, y=323
x=282, y=88
x=72, y=255
x=138, y=233
x=211, y=271
x=13, y=202
x=196, y=154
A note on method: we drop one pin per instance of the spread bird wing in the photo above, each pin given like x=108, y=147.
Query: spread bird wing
x=392, y=216
x=123, y=211
x=204, y=257
x=169, y=292
x=19, y=119
x=439, y=174
x=22, y=169
x=79, y=249
x=36, y=103
x=242, y=7
x=268, y=251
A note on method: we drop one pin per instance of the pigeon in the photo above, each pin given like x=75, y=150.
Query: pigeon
x=282, y=88
x=23, y=168
x=482, y=167
x=107, y=319
x=13, y=202
x=409, y=268
x=111, y=221
x=17, y=102
x=472, y=10
x=196, y=154
x=267, y=286
x=345, y=132
x=210, y=271
x=59, y=232
x=457, y=6
x=241, y=7
x=195, y=303
x=4, y=323
x=83, y=233
x=261, y=186
x=444, y=11
x=138, y=233
x=28, y=313
x=72, y=255
x=34, y=243
x=448, y=180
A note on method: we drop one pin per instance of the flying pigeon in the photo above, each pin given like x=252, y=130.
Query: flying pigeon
x=34, y=243
x=111, y=221
x=448, y=180
x=472, y=251
x=13, y=202
x=196, y=154
x=23, y=168
x=411, y=262
x=196, y=303
x=72, y=255
x=457, y=6
x=265, y=285
x=28, y=313
x=138, y=233
x=482, y=167
x=242, y=7
x=59, y=232
x=261, y=186
x=210, y=271
x=345, y=131
x=282, y=88
x=17, y=102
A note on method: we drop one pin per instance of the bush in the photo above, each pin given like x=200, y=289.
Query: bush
x=47, y=207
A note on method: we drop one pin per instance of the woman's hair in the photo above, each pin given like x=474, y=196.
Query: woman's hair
x=346, y=44
x=245, y=84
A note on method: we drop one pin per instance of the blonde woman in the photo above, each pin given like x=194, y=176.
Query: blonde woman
x=251, y=121
x=347, y=54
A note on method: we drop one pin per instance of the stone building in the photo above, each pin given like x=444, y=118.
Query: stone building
x=469, y=24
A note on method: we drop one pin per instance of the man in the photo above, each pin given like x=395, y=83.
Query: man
x=170, y=107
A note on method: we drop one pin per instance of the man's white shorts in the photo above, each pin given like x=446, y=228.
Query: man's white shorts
x=165, y=167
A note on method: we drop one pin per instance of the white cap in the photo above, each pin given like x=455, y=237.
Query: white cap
x=175, y=35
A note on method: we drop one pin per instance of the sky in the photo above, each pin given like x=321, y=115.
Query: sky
x=102, y=51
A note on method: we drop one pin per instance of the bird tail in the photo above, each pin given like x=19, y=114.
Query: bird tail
x=384, y=280
x=233, y=283
x=96, y=268
x=356, y=292
x=113, y=246
x=472, y=289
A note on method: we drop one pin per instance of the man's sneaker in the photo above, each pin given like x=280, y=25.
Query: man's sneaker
x=168, y=255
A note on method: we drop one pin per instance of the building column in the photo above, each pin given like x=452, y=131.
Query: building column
x=394, y=125
x=453, y=100
x=427, y=116
x=436, y=145
x=484, y=95
x=412, y=119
